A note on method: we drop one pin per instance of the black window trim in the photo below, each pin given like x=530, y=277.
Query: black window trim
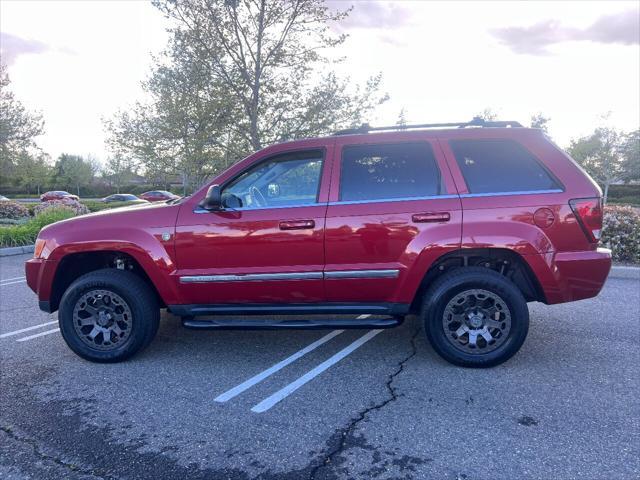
x=540, y=163
x=393, y=199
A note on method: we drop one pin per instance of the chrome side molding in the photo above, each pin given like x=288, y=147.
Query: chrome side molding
x=262, y=277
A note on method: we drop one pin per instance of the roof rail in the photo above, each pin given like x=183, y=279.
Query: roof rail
x=476, y=122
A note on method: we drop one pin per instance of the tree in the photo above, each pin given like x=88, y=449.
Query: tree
x=18, y=128
x=73, y=171
x=538, y=120
x=488, y=114
x=32, y=171
x=402, y=118
x=631, y=157
x=118, y=171
x=602, y=155
x=237, y=75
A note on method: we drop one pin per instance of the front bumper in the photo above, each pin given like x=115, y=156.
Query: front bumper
x=39, y=274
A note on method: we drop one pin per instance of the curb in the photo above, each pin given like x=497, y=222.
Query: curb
x=9, y=251
x=617, y=271
x=620, y=271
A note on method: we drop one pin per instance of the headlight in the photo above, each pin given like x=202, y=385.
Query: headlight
x=37, y=251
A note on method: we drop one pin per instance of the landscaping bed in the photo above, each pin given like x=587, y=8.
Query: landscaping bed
x=21, y=223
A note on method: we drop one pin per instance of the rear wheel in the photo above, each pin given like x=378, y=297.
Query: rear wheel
x=475, y=317
x=108, y=315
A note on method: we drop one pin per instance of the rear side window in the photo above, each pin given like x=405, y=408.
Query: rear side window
x=387, y=172
x=500, y=166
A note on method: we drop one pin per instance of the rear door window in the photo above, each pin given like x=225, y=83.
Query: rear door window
x=500, y=166
x=388, y=172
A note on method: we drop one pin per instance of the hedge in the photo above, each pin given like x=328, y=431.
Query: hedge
x=621, y=233
x=25, y=234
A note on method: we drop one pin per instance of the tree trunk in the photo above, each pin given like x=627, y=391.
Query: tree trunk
x=606, y=192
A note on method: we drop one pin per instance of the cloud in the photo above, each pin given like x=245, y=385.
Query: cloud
x=371, y=14
x=11, y=47
x=620, y=28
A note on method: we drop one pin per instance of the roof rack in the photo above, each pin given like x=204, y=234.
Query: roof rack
x=476, y=122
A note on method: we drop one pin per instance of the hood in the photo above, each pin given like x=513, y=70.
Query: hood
x=111, y=223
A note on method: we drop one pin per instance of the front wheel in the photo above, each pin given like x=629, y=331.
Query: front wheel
x=108, y=315
x=475, y=317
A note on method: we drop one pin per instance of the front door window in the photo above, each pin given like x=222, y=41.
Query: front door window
x=284, y=181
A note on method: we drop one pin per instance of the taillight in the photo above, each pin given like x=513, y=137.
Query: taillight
x=588, y=211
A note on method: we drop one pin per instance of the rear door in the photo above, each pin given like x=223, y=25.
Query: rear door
x=390, y=202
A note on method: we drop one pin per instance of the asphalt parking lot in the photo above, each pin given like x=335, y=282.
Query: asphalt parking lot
x=323, y=404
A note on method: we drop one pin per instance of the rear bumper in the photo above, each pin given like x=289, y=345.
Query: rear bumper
x=571, y=276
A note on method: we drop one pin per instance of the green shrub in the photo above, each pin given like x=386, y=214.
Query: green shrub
x=621, y=233
x=71, y=205
x=12, y=210
x=25, y=234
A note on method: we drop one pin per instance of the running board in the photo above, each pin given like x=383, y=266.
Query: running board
x=270, y=324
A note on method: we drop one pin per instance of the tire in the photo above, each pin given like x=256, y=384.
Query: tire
x=500, y=313
x=130, y=313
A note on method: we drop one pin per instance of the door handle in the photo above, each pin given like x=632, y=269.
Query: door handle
x=431, y=217
x=297, y=225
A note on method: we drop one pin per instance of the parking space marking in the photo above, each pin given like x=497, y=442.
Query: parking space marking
x=10, y=279
x=22, y=330
x=11, y=283
x=229, y=394
x=281, y=394
x=48, y=332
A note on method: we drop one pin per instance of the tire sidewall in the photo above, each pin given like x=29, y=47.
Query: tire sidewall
x=444, y=292
x=140, y=328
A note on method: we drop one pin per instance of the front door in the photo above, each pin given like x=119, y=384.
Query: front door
x=267, y=246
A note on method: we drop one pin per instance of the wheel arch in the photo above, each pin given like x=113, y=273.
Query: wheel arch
x=72, y=265
x=506, y=262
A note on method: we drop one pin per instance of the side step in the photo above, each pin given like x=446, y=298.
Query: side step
x=269, y=324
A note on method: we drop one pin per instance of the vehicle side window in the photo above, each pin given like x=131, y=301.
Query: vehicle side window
x=386, y=172
x=497, y=166
x=283, y=181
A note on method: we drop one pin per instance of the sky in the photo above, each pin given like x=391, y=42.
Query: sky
x=78, y=62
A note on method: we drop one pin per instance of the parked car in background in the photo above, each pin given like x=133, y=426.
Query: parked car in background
x=122, y=197
x=158, y=196
x=462, y=225
x=3, y=198
x=57, y=195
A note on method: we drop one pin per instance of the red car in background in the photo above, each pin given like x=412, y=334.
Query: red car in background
x=158, y=196
x=57, y=195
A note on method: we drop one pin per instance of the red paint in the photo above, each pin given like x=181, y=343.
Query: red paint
x=407, y=235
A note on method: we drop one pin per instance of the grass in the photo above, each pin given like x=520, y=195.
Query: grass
x=26, y=234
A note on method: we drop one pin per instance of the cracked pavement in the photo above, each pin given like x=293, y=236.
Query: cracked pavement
x=567, y=406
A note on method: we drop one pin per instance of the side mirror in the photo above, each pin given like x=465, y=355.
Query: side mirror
x=213, y=200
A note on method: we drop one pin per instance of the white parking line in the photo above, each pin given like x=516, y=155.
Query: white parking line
x=281, y=394
x=9, y=279
x=12, y=283
x=229, y=394
x=16, y=332
x=48, y=332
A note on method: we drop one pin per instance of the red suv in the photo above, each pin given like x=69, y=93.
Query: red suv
x=462, y=226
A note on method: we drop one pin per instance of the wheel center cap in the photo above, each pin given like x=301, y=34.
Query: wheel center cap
x=475, y=320
x=103, y=318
